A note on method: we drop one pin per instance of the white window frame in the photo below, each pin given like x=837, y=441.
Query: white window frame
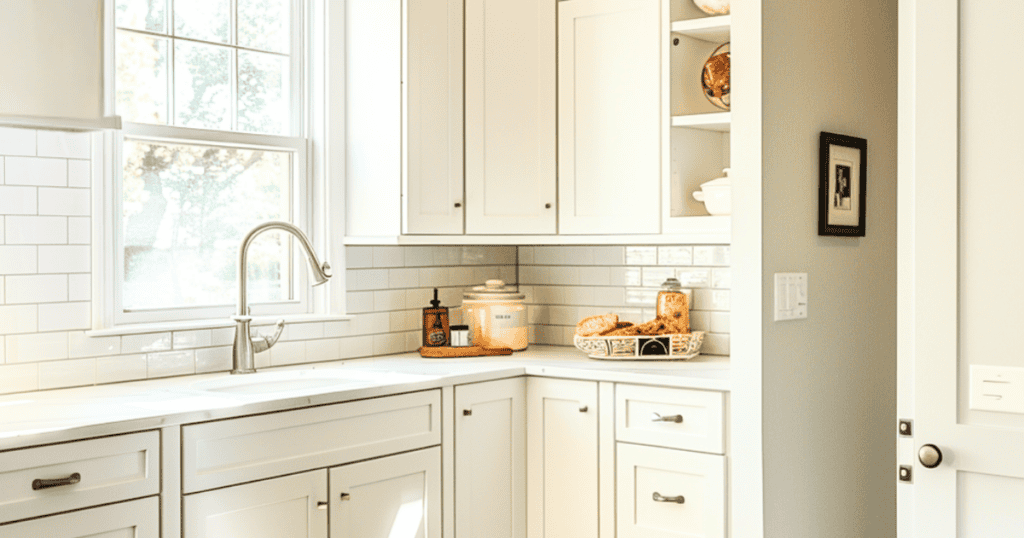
x=315, y=197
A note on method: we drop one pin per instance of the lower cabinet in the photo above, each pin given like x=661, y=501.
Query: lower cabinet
x=490, y=459
x=135, y=519
x=287, y=506
x=562, y=451
x=394, y=497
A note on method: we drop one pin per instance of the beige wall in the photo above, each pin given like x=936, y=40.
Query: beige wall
x=829, y=381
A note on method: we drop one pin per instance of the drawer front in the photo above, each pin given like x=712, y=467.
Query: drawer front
x=135, y=519
x=689, y=419
x=110, y=469
x=699, y=479
x=217, y=454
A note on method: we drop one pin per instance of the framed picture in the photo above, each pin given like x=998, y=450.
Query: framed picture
x=842, y=191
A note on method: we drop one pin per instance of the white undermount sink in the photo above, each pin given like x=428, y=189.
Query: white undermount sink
x=299, y=380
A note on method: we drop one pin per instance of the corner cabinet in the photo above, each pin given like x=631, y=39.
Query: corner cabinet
x=610, y=116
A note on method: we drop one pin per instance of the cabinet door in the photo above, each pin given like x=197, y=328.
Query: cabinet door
x=490, y=459
x=510, y=116
x=275, y=508
x=610, y=116
x=393, y=497
x=562, y=454
x=135, y=519
x=434, y=163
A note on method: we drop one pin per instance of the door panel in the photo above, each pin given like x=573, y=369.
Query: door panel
x=135, y=519
x=268, y=509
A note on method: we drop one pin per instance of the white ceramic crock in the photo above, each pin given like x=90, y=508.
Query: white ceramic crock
x=496, y=316
x=716, y=195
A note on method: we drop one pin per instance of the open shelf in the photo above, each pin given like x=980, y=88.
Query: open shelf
x=711, y=29
x=713, y=121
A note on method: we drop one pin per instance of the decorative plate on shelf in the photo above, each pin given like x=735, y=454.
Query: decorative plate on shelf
x=714, y=78
x=713, y=7
x=663, y=347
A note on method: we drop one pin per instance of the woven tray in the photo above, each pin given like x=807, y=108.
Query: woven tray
x=666, y=347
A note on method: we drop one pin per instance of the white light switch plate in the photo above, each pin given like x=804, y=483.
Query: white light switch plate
x=997, y=388
x=790, y=296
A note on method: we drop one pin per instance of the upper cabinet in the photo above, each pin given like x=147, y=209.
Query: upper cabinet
x=510, y=116
x=609, y=116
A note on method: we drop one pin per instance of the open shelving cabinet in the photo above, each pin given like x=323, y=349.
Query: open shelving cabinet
x=698, y=132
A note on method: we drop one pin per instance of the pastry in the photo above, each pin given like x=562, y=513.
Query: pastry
x=596, y=325
x=674, y=308
x=618, y=326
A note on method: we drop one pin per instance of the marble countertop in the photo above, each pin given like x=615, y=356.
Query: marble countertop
x=61, y=415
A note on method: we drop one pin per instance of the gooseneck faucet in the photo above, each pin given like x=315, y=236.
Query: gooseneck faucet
x=247, y=345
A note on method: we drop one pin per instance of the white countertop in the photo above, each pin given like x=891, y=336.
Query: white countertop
x=61, y=415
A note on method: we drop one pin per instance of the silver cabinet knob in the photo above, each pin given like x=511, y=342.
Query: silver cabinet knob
x=679, y=499
x=656, y=417
x=930, y=456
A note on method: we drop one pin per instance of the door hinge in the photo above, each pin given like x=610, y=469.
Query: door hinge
x=904, y=434
x=906, y=474
x=905, y=427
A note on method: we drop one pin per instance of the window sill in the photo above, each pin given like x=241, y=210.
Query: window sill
x=191, y=325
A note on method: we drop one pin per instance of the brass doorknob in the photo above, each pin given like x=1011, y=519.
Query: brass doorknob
x=930, y=456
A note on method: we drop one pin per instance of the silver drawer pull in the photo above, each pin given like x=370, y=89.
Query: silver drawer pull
x=321, y=505
x=661, y=499
x=678, y=419
x=467, y=412
x=45, y=483
x=345, y=496
x=584, y=409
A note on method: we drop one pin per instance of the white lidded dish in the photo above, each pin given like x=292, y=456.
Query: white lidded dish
x=716, y=195
x=496, y=315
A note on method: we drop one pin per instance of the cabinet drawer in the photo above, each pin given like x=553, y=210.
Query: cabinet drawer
x=698, y=478
x=137, y=519
x=689, y=419
x=110, y=469
x=216, y=454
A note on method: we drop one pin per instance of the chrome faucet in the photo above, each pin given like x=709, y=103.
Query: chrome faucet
x=247, y=345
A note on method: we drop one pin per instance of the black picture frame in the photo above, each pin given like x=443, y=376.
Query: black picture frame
x=842, y=189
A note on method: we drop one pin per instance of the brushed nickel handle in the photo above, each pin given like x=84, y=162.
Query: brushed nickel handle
x=458, y=204
x=46, y=483
x=584, y=409
x=679, y=499
x=656, y=417
x=467, y=412
x=345, y=496
x=321, y=505
x=547, y=206
x=930, y=456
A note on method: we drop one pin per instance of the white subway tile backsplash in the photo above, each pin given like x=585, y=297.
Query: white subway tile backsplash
x=579, y=295
x=720, y=322
x=403, y=278
x=305, y=331
x=654, y=277
x=461, y=276
x=388, y=344
x=66, y=202
x=18, y=201
x=711, y=299
x=527, y=255
x=18, y=260
x=323, y=350
x=170, y=363
x=285, y=353
x=700, y=321
x=62, y=144
x=434, y=277
x=335, y=329
x=387, y=301
x=367, y=279
x=632, y=276
x=358, y=257
x=80, y=287
x=715, y=344
x=71, y=373
x=388, y=257
x=694, y=278
x=145, y=343
x=19, y=319
x=14, y=141
x=641, y=297
x=36, y=171
x=359, y=302
x=675, y=255
x=65, y=259
x=356, y=346
x=609, y=255
x=81, y=346
x=419, y=256
x=79, y=173
x=25, y=289
x=222, y=337
x=26, y=230
x=721, y=278
x=404, y=320
x=121, y=368
x=192, y=339
x=595, y=276
x=65, y=316
x=711, y=255
x=213, y=359
x=36, y=347
x=19, y=378
x=79, y=230
x=641, y=255
x=609, y=296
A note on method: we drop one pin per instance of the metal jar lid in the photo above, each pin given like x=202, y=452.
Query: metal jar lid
x=672, y=284
x=494, y=290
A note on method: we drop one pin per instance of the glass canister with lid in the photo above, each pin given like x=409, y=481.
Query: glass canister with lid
x=496, y=316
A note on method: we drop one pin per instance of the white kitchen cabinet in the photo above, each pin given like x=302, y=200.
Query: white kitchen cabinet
x=490, y=459
x=610, y=116
x=665, y=493
x=433, y=169
x=510, y=94
x=134, y=519
x=393, y=497
x=562, y=451
x=288, y=506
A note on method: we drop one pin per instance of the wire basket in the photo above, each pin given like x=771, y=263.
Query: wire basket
x=663, y=347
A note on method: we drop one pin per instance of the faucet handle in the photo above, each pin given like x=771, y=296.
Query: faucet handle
x=261, y=343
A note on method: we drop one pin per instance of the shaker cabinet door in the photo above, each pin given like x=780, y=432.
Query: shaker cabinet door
x=610, y=121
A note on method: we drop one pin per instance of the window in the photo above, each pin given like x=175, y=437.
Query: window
x=210, y=93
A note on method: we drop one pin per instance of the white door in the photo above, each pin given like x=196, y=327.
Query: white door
x=961, y=372
x=394, y=497
x=490, y=459
x=433, y=133
x=510, y=116
x=562, y=454
x=135, y=519
x=609, y=116
x=292, y=506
